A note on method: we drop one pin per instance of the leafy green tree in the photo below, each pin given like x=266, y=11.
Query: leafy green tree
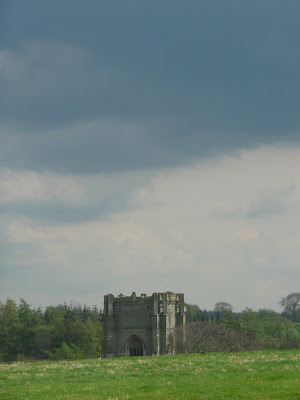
x=66, y=352
x=273, y=324
x=42, y=341
x=30, y=320
x=60, y=332
x=75, y=331
x=250, y=325
x=229, y=319
x=291, y=334
x=10, y=331
x=92, y=343
x=192, y=312
x=55, y=318
x=291, y=306
x=87, y=335
x=222, y=306
x=204, y=316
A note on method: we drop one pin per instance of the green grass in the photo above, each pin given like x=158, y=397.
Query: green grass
x=254, y=375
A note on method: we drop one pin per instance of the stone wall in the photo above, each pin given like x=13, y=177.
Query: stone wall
x=149, y=322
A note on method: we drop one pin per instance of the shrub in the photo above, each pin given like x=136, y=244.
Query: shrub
x=209, y=336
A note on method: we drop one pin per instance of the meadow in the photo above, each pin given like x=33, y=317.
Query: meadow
x=267, y=375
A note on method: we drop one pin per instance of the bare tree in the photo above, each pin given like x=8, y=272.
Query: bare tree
x=209, y=336
x=291, y=304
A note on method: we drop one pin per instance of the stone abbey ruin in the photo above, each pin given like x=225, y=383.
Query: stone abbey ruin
x=142, y=326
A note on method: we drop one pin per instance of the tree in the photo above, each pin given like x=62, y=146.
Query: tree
x=193, y=312
x=265, y=312
x=55, y=319
x=223, y=306
x=92, y=341
x=42, y=341
x=291, y=305
x=230, y=319
x=30, y=320
x=250, y=325
x=66, y=352
x=10, y=340
x=210, y=336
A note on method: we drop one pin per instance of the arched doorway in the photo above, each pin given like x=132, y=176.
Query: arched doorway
x=135, y=347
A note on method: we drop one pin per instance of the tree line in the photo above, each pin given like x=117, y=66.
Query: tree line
x=74, y=331
x=59, y=332
x=246, y=330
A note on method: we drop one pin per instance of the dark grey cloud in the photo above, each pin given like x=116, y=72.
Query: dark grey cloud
x=188, y=79
x=54, y=214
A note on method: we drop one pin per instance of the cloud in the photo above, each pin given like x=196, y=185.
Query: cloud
x=188, y=229
x=171, y=84
x=57, y=199
x=150, y=145
x=29, y=186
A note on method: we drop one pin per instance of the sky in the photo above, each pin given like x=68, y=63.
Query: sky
x=150, y=147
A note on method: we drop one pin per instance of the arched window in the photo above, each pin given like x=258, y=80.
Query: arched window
x=136, y=347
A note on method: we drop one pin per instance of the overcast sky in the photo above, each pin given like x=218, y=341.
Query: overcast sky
x=150, y=146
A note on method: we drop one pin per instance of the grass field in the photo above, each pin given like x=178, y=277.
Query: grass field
x=264, y=375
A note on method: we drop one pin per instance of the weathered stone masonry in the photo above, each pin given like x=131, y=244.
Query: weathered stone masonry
x=142, y=326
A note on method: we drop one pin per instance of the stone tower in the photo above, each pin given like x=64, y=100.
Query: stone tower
x=142, y=326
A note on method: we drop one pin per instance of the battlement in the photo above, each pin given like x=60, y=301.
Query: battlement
x=168, y=297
